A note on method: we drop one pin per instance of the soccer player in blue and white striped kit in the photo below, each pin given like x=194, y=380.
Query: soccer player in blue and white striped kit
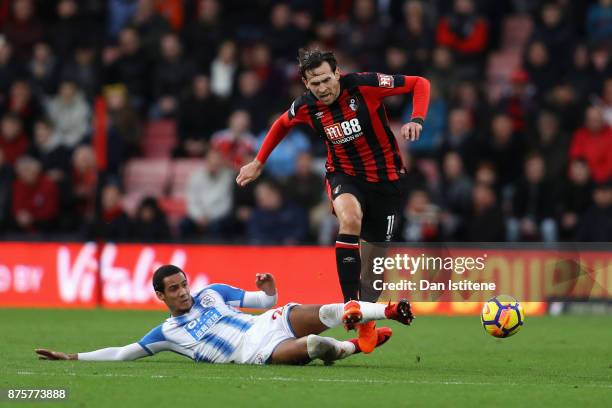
x=207, y=327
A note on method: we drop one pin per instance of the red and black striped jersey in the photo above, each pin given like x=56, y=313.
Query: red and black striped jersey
x=355, y=127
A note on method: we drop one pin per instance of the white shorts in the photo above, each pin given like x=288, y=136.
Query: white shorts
x=270, y=329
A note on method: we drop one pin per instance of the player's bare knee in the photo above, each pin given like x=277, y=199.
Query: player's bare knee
x=350, y=222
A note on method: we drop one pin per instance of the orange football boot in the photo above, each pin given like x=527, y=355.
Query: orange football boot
x=383, y=334
x=352, y=314
x=368, y=336
x=352, y=318
x=400, y=312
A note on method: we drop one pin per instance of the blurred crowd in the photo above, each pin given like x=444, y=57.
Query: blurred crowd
x=519, y=155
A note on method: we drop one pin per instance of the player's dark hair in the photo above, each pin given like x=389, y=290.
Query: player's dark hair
x=163, y=272
x=311, y=59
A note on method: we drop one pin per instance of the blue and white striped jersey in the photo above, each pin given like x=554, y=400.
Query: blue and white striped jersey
x=213, y=330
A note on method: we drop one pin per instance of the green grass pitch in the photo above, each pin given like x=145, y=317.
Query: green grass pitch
x=438, y=362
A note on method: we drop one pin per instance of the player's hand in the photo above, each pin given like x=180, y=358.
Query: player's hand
x=44, y=354
x=411, y=131
x=266, y=283
x=249, y=172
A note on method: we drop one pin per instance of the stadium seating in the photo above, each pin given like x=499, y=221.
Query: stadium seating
x=174, y=204
x=147, y=176
x=160, y=138
x=142, y=178
x=181, y=170
x=146, y=84
x=175, y=209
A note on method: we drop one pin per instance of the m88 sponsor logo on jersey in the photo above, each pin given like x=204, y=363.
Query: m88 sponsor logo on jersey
x=344, y=131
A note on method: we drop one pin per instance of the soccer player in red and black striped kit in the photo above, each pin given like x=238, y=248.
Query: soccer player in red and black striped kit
x=364, y=166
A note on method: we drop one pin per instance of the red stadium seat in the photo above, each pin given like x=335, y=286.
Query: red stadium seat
x=175, y=209
x=160, y=138
x=147, y=176
x=181, y=170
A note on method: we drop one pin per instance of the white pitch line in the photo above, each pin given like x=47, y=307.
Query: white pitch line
x=294, y=379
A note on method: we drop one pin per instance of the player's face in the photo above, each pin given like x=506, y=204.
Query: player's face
x=323, y=83
x=176, y=294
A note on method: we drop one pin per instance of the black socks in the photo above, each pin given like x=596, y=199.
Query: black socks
x=348, y=263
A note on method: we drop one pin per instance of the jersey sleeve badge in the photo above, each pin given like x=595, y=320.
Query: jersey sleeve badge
x=292, y=111
x=385, y=81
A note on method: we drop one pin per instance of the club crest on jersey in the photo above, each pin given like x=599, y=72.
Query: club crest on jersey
x=207, y=300
x=319, y=115
x=385, y=81
x=353, y=104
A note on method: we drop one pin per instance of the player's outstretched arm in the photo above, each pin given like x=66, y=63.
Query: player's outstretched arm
x=278, y=131
x=420, y=101
x=46, y=354
x=266, y=283
x=266, y=297
x=411, y=131
x=379, y=85
x=126, y=353
x=249, y=172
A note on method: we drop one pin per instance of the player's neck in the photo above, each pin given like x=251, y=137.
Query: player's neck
x=177, y=313
x=180, y=312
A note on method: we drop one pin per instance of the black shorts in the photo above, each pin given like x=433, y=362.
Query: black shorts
x=381, y=203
